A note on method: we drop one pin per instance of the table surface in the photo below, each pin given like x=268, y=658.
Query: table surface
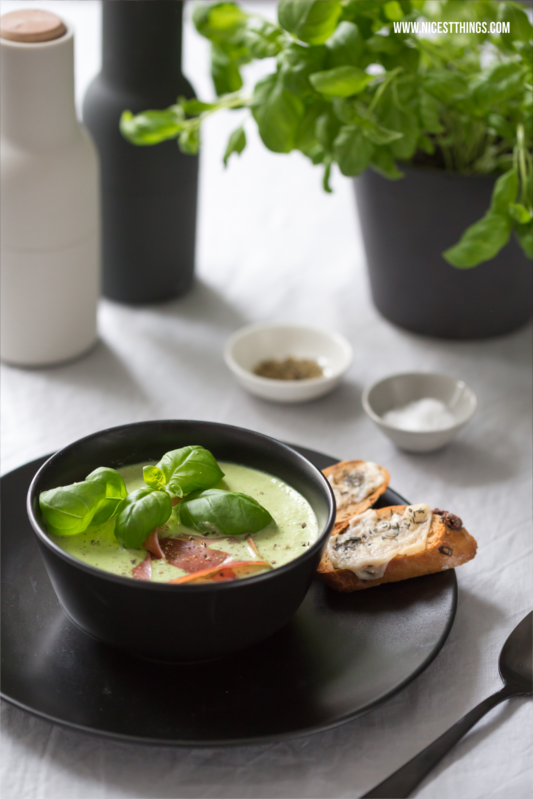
x=273, y=246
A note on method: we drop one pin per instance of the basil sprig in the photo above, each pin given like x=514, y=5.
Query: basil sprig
x=189, y=472
x=183, y=470
x=224, y=512
x=139, y=514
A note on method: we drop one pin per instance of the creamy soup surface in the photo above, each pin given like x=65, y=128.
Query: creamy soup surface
x=294, y=527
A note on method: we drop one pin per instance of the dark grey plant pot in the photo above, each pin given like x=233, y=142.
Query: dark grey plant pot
x=406, y=225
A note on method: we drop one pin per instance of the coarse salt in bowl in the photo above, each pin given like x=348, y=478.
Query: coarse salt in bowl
x=420, y=411
x=421, y=415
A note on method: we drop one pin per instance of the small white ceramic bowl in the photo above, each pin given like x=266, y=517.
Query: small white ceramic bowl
x=398, y=390
x=255, y=343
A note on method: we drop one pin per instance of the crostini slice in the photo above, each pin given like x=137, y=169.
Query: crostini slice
x=356, y=485
x=392, y=544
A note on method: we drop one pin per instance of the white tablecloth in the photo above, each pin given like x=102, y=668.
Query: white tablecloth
x=272, y=246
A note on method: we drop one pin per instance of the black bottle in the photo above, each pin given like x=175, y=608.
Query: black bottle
x=148, y=193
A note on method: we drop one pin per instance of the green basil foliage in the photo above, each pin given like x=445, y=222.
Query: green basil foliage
x=139, y=514
x=69, y=510
x=223, y=512
x=353, y=84
x=115, y=491
x=189, y=472
x=236, y=143
x=184, y=470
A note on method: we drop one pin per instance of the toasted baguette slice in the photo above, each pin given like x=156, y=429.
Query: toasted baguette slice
x=350, y=507
x=446, y=548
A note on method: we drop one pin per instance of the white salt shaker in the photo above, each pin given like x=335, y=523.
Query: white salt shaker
x=49, y=211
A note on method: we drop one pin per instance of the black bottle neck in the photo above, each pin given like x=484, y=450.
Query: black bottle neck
x=141, y=42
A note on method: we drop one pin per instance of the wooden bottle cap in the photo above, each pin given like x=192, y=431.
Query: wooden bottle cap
x=31, y=25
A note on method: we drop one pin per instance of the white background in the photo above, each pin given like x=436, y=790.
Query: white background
x=273, y=246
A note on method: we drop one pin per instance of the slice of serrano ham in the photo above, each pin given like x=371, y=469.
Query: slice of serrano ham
x=143, y=570
x=152, y=543
x=191, y=555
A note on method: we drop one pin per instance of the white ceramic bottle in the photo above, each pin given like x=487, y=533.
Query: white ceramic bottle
x=49, y=212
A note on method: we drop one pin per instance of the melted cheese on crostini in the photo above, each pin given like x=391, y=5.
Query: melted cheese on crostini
x=369, y=543
x=355, y=483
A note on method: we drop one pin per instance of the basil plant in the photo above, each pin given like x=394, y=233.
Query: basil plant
x=353, y=83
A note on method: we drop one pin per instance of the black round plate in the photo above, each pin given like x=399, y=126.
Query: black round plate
x=340, y=656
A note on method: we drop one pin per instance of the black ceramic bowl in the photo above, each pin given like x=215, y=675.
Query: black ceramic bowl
x=180, y=622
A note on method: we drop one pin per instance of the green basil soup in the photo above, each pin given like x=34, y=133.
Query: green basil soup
x=186, y=550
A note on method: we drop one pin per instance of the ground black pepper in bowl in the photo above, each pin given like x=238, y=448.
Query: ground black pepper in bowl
x=289, y=369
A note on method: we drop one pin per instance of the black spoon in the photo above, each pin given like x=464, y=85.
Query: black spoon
x=516, y=671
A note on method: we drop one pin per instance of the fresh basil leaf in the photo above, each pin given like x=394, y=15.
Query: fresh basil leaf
x=152, y=127
x=502, y=126
x=498, y=83
x=317, y=154
x=236, y=143
x=345, y=110
x=218, y=22
x=224, y=70
x=504, y=192
x=393, y=10
x=188, y=469
x=345, y=46
x=111, y=480
x=154, y=477
x=384, y=44
x=139, y=514
x=376, y=133
x=430, y=113
x=366, y=13
x=115, y=491
x=69, y=510
x=327, y=128
x=407, y=87
x=383, y=163
x=524, y=234
x=394, y=117
x=311, y=21
x=520, y=26
x=223, y=512
x=340, y=81
x=261, y=37
x=278, y=113
x=445, y=84
x=354, y=113
x=353, y=151
x=519, y=213
x=189, y=141
x=407, y=57
x=106, y=509
x=481, y=241
x=295, y=64
x=306, y=140
x=379, y=135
